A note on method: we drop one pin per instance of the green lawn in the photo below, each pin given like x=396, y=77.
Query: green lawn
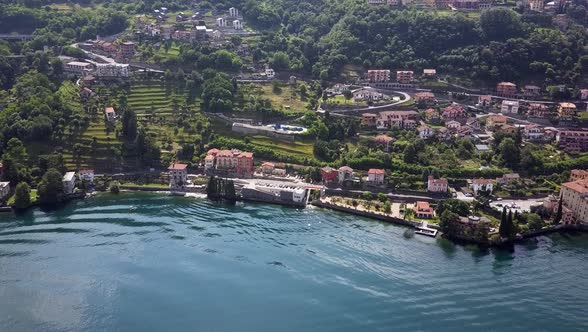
x=33, y=196
x=293, y=148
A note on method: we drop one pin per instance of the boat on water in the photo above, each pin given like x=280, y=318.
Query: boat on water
x=425, y=230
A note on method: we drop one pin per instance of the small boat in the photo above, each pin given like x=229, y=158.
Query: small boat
x=425, y=230
x=132, y=208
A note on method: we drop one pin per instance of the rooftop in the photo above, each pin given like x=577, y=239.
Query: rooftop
x=580, y=186
x=177, y=167
x=376, y=171
x=69, y=176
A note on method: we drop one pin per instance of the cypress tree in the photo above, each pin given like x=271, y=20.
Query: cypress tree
x=559, y=212
x=502, y=228
x=510, y=226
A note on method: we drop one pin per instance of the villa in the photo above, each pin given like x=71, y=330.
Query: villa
x=482, y=185
x=178, y=175
x=437, y=185
x=423, y=210
x=69, y=182
x=376, y=176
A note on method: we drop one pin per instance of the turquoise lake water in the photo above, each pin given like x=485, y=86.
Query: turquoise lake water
x=185, y=264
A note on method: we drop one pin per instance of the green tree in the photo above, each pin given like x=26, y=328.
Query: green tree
x=280, y=61
x=22, y=197
x=16, y=151
x=535, y=221
x=382, y=197
x=387, y=207
x=129, y=124
x=347, y=94
x=509, y=153
x=50, y=190
x=559, y=213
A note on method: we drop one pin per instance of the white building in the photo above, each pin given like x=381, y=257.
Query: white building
x=425, y=132
x=86, y=175
x=436, y=185
x=69, y=182
x=78, y=67
x=376, y=176
x=345, y=173
x=112, y=70
x=482, y=185
x=178, y=175
x=4, y=190
x=509, y=106
x=233, y=12
x=237, y=25
x=221, y=22
x=270, y=73
x=209, y=162
x=217, y=35
x=109, y=114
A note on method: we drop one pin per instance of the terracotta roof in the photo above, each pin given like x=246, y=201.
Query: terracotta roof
x=482, y=181
x=507, y=83
x=345, y=169
x=177, y=167
x=579, y=172
x=376, y=171
x=209, y=157
x=383, y=139
x=213, y=151
x=437, y=181
x=567, y=105
x=268, y=164
x=109, y=110
x=580, y=186
x=246, y=155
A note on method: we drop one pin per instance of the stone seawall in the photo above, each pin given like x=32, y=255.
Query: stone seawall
x=366, y=214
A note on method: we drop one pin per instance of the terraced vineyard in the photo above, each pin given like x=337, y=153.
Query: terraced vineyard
x=145, y=96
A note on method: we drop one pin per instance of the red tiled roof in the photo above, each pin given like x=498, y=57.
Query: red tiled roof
x=482, y=181
x=580, y=186
x=177, y=167
x=213, y=151
x=376, y=171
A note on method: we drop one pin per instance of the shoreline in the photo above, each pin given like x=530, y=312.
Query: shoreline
x=382, y=218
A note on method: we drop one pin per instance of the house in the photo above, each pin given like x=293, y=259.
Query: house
x=89, y=80
x=423, y=210
x=209, y=161
x=376, y=2
x=367, y=94
x=425, y=132
x=431, y=115
x=178, y=175
x=345, y=174
x=429, y=72
x=566, y=111
x=237, y=25
x=482, y=148
x=534, y=132
x=86, y=175
x=506, y=89
x=583, y=94
x=437, y=185
x=244, y=166
x=537, y=110
x=112, y=70
x=509, y=106
x=536, y=5
x=329, y=175
x=495, y=120
x=69, y=182
x=369, y=119
x=424, y=97
x=452, y=126
x=127, y=50
x=531, y=91
x=404, y=76
x=376, y=176
x=443, y=134
x=4, y=190
x=578, y=174
x=505, y=128
x=384, y=142
x=270, y=73
x=574, y=196
x=401, y=119
x=465, y=131
x=267, y=168
x=573, y=140
x=375, y=76
x=87, y=93
x=507, y=179
x=109, y=114
x=484, y=101
x=479, y=185
x=233, y=12
x=473, y=123
x=455, y=112
x=78, y=68
x=221, y=22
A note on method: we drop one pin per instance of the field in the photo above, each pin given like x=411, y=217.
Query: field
x=286, y=99
x=154, y=96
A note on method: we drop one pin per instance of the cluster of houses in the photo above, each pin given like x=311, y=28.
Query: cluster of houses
x=552, y=7
x=197, y=30
x=402, y=76
x=229, y=162
x=69, y=179
x=332, y=176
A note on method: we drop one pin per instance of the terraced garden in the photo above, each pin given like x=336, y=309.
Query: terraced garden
x=147, y=96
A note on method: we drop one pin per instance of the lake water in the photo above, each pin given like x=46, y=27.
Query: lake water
x=185, y=264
